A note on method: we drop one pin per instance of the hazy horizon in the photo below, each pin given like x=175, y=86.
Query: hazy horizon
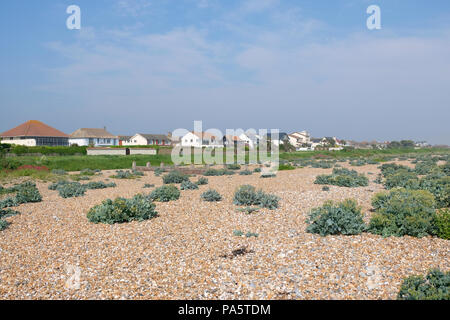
x=153, y=66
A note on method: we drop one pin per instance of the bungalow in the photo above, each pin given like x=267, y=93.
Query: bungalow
x=34, y=133
x=93, y=137
x=142, y=139
x=201, y=139
x=124, y=139
x=299, y=139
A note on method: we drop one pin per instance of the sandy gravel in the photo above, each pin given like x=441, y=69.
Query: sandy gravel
x=186, y=252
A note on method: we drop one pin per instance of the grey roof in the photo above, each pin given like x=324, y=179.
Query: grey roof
x=92, y=133
x=154, y=136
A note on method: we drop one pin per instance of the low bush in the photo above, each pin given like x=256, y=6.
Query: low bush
x=343, y=178
x=257, y=170
x=390, y=168
x=434, y=286
x=120, y=174
x=89, y=172
x=188, y=185
x=99, y=185
x=268, y=175
x=442, y=223
x=246, y=195
x=439, y=186
x=288, y=166
x=3, y=224
x=175, y=177
x=426, y=167
x=341, y=218
x=403, y=212
x=445, y=168
x=211, y=196
x=233, y=166
x=216, y=172
x=28, y=193
x=165, y=193
x=147, y=185
x=56, y=185
x=202, y=181
x=246, y=173
x=158, y=172
x=121, y=210
x=59, y=172
x=71, y=189
x=402, y=179
x=325, y=188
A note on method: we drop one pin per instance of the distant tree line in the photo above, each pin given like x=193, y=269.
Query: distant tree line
x=401, y=144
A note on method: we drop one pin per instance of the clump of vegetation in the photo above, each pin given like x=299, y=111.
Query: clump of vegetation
x=216, y=172
x=121, y=210
x=246, y=173
x=325, y=188
x=202, y=181
x=249, y=210
x=188, y=185
x=165, y=193
x=257, y=170
x=3, y=224
x=233, y=166
x=439, y=186
x=268, y=175
x=59, y=172
x=71, y=189
x=246, y=195
x=147, y=185
x=56, y=185
x=239, y=233
x=403, y=212
x=121, y=174
x=425, y=167
x=211, y=196
x=402, y=179
x=175, y=177
x=99, y=185
x=341, y=218
x=287, y=166
x=4, y=213
x=442, y=223
x=390, y=168
x=434, y=286
x=28, y=193
x=343, y=178
x=158, y=172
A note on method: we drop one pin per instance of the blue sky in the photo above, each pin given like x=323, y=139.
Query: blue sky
x=156, y=65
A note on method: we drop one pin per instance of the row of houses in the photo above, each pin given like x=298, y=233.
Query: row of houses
x=37, y=133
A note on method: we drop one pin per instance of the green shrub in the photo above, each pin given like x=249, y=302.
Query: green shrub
x=402, y=179
x=446, y=168
x=341, y=218
x=268, y=175
x=89, y=172
x=99, y=185
x=251, y=234
x=158, y=172
x=202, y=181
x=442, y=223
x=120, y=174
x=257, y=170
x=439, y=187
x=3, y=224
x=188, y=185
x=121, y=210
x=8, y=202
x=234, y=166
x=71, y=189
x=211, y=196
x=343, y=178
x=325, y=188
x=288, y=166
x=434, y=286
x=28, y=193
x=403, y=212
x=425, y=167
x=246, y=195
x=246, y=173
x=238, y=233
x=175, y=177
x=59, y=172
x=165, y=193
x=390, y=168
x=55, y=185
x=147, y=185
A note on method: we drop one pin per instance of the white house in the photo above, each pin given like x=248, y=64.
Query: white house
x=93, y=137
x=299, y=139
x=143, y=139
x=201, y=139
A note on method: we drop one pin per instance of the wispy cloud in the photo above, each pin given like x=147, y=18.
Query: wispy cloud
x=133, y=7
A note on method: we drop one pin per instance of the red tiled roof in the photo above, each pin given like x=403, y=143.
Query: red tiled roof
x=33, y=128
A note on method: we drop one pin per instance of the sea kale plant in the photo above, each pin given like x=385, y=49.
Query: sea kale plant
x=165, y=193
x=211, y=196
x=246, y=195
x=434, y=286
x=336, y=218
x=343, y=178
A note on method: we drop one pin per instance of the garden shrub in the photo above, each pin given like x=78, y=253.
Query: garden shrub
x=403, y=212
x=343, y=178
x=202, y=181
x=188, y=185
x=246, y=195
x=165, y=193
x=71, y=189
x=121, y=210
x=434, y=286
x=211, y=196
x=442, y=223
x=175, y=177
x=341, y=218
